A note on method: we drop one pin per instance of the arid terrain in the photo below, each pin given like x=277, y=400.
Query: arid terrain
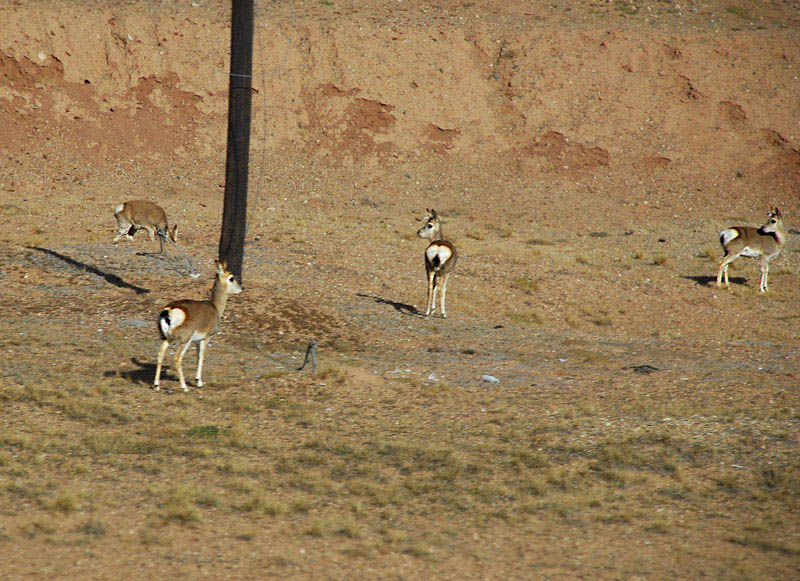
x=643, y=424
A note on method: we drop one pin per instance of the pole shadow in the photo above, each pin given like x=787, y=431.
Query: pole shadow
x=112, y=279
x=712, y=280
x=399, y=307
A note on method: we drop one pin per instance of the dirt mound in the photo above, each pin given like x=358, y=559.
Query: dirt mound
x=268, y=321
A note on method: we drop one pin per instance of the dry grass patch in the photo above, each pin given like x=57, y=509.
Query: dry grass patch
x=588, y=356
x=360, y=485
x=180, y=505
x=524, y=284
x=93, y=527
x=709, y=252
x=539, y=242
x=66, y=502
x=264, y=504
x=526, y=318
x=598, y=316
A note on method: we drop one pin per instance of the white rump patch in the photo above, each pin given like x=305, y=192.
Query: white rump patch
x=750, y=253
x=176, y=319
x=119, y=209
x=727, y=235
x=442, y=252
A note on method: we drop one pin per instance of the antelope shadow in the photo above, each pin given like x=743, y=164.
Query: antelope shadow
x=144, y=374
x=712, y=280
x=403, y=308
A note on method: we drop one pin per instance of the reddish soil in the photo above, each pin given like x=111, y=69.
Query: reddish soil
x=583, y=157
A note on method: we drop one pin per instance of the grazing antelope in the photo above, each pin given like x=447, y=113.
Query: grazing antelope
x=764, y=243
x=141, y=214
x=185, y=322
x=440, y=260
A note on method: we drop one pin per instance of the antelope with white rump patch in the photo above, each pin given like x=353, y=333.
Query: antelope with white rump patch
x=186, y=322
x=764, y=243
x=143, y=215
x=440, y=260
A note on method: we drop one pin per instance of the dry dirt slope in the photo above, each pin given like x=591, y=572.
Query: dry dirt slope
x=583, y=157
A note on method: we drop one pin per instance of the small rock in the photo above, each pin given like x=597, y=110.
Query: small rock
x=489, y=378
x=645, y=369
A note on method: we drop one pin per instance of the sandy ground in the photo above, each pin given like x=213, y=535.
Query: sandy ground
x=583, y=157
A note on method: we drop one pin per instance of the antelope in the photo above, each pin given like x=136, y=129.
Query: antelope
x=440, y=260
x=143, y=215
x=764, y=243
x=186, y=322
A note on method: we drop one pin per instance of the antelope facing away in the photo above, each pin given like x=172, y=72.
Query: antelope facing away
x=185, y=322
x=440, y=260
x=143, y=215
x=764, y=243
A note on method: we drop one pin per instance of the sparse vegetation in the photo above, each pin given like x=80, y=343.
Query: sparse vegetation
x=710, y=252
x=179, y=505
x=526, y=318
x=613, y=413
x=66, y=503
x=93, y=527
x=739, y=11
x=525, y=285
x=539, y=242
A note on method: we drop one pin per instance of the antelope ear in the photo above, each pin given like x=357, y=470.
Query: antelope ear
x=434, y=214
x=777, y=212
x=221, y=266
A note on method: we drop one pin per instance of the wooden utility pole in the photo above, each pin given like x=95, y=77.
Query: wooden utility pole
x=234, y=213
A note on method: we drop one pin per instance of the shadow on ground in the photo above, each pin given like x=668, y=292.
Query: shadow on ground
x=145, y=373
x=108, y=277
x=399, y=307
x=711, y=280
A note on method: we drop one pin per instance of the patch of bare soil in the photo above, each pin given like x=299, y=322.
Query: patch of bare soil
x=643, y=423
